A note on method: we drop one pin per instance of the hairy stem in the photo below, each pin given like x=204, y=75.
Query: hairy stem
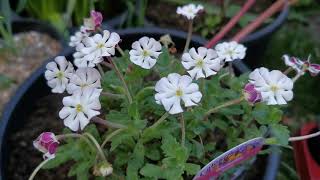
x=183, y=130
x=107, y=123
x=159, y=121
x=100, y=151
x=189, y=36
x=112, y=95
x=108, y=138
x=36, y=170
x=230, y=24
x=100, y=69
x=226, y=104
x=118, y=72
x=120, y=50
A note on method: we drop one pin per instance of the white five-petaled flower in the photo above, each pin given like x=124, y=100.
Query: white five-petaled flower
x=145, y=52
x=203, y=63
x=190, y=10
x=58, y=74
x=275, y=87
x=93, y=49
x=77, y=38
x=84, y=78
x=230, y=51
x=174, y=88
x=80, y=108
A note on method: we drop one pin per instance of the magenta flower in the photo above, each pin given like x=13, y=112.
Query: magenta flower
x=251, y=94
x=47, y=144
x=96, y=18
x=314, y=69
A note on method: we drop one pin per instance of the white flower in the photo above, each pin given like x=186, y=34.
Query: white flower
x=174, y=88
x=145, y=52
x=80, y=108
x=58, y=74
x=275, y=87
x=205, y=63
x=190, y=10
x=230, y=51
x=84, y=78
x=77, y=38
x=92, y=50
x=293, y=62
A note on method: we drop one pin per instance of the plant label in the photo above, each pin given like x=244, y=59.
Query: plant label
x=230, y=159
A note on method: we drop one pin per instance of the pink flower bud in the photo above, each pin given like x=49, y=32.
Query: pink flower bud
x=96, y=18
x=251, y=94
x=47, y=144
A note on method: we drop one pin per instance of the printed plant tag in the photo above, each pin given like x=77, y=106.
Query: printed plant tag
x=230, y=159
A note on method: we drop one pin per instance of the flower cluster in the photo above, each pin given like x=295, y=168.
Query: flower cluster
x=83, y=84
x=189, y=11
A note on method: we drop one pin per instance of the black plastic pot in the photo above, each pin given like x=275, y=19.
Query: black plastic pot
x=21, y=105
x=256, y=42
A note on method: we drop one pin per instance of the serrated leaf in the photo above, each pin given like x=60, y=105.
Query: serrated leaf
x=192, y=169
x=80, y=168
x=151, y=170
x=133, y=111
x=281, y=133
x=136, y=161
x=172, y=148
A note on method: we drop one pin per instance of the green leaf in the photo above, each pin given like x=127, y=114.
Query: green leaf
x=265, y=114
x=156, y=133
x=80, y=168
x=151, y=170
x=133, y=110
x=192, y=169
x=136, y=161
x=281, y=133
x=153, y=153
x=172, y=148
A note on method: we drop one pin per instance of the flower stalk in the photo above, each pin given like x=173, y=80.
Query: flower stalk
x=160, y=120
x=108, y=138
x=226, y=104
x=183, y=130
x=37, y=169
x=107, y=123
x=189, y=36
x=115, y=67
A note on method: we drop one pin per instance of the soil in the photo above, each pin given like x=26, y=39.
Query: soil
x=163, y=14
x=23, y=156
x=32, y=48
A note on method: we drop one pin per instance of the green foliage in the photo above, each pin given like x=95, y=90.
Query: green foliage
x=147, y=149
x=5, y=82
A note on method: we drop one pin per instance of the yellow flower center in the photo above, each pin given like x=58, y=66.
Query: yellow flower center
x=179, y=92
x=79, y=108
x=60, y=75
x=274, y=88
x=199, y=63
x=145, y=53
x=83, y=85
x=100, y=45
x=229, y=52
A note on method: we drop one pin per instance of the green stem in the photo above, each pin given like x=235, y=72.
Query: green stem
x=159, y=121
x=121, y=79
x=183, y=130
x=103, y=157
x=36, y=170
x=226, y=104
x=108, y=138
x=107, y=123
x=189, y=36
x=231, y=70
x=112, y=95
